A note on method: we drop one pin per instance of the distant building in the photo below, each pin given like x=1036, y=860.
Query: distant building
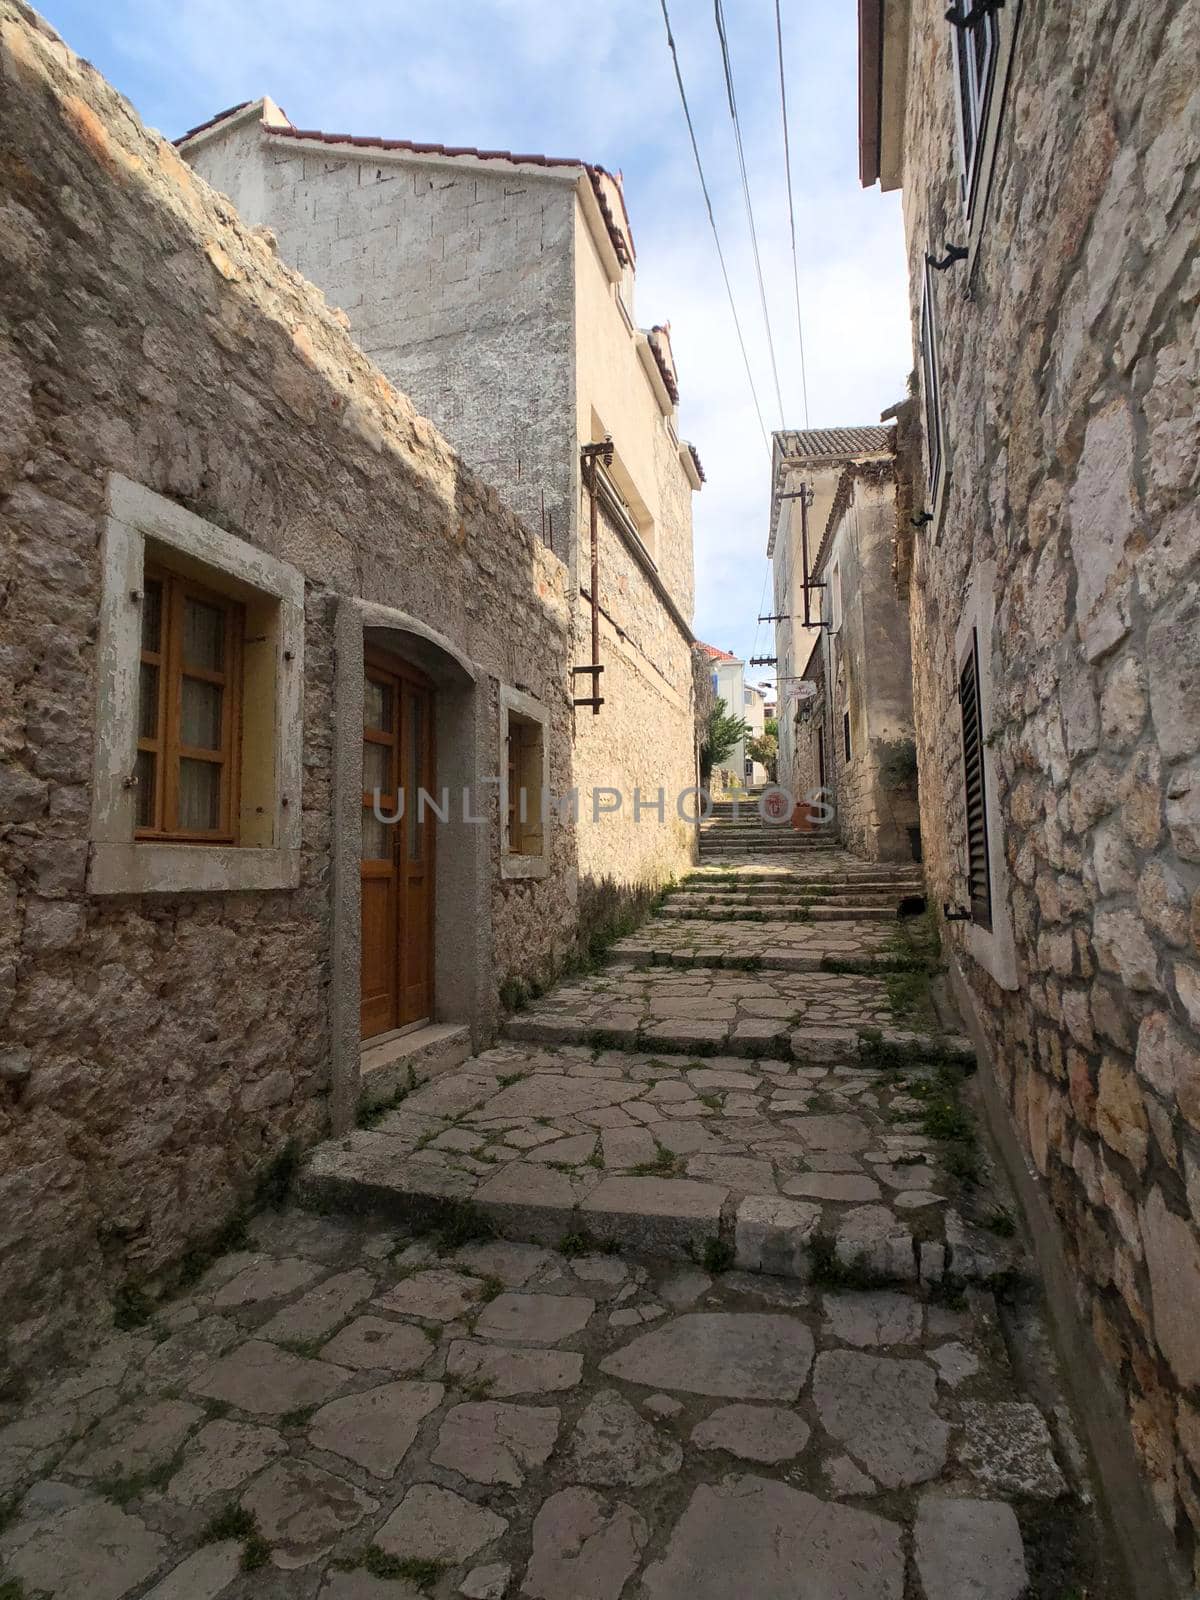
x=813, y=458
x=728, y=675
x=852, y=725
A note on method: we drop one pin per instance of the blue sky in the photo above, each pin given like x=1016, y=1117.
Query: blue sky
x=569, y=78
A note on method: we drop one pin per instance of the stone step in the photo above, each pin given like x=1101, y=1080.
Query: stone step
x=782, y=911
x=770, y=1165
x=769, y=959
x=799, y=895
x=716, y=846
x=819, y=881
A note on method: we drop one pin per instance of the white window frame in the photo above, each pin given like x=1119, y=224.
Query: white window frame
x=118, y=863
x=988, y=92
x=978, y=83
x=835, y=597
x=933, y=424
x=512, y=863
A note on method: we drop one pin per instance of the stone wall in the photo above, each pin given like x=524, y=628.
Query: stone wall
x=157, y=1050
x=1070, y=383
x=457, y=280
x=873, y=678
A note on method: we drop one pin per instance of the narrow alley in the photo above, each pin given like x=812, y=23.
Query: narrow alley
x=687, y=1286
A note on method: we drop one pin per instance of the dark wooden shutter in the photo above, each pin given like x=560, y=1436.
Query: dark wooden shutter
x=846, y=735
x=979, y=876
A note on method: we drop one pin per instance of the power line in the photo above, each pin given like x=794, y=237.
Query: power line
x=787, y=163
x=741, y=155
x=713, y=224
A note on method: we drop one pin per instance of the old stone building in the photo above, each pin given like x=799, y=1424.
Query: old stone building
x=1048, y=160
x=852, y=727
x=497, y=289
x=229, y=545
x=806, y=468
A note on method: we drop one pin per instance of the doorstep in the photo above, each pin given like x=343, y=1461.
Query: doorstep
x=390, y=1063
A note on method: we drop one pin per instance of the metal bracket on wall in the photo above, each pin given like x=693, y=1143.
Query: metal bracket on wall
x=594, y=699
x=955, y=913
x=961, y=17
x=922, y=519
x=954, y=252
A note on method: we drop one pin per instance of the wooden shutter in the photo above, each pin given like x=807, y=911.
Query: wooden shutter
x=979, y=877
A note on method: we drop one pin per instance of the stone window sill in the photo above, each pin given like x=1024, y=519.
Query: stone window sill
x=189, y=868
x=515, y=866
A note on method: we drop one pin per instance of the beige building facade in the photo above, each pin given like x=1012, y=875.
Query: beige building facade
x=1049, y=164
x=498, y=291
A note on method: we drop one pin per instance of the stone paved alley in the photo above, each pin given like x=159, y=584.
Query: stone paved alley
x=699, y=1284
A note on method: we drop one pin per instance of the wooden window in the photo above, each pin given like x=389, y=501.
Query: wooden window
x=979, y=877
x=524, y=833
x=975, y=68
x=189, y=711
x=931, y=382
x=846, y=735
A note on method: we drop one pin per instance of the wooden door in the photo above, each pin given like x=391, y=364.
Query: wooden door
x=397, y=857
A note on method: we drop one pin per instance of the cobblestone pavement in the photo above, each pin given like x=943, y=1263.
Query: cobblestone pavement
x=686, y=1295
x=766, y=1159
x=342, y=1413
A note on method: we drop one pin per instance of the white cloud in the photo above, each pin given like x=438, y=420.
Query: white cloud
x=567, y=77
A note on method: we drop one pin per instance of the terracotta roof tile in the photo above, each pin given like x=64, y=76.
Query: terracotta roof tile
x=823, y=444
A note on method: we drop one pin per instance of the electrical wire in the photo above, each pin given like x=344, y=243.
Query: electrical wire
x=787, y=165
x=741, y=156
x=713, y=224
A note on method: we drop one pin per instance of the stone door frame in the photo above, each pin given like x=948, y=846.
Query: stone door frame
x=462, y=943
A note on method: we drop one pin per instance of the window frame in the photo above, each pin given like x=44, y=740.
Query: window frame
x=144, y=531
x=166, y=744
x=847, y=742
x=973, y=85
x=525, y=710
x=933, y=421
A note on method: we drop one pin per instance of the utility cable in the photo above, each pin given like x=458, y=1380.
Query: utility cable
x=787, y=164
x=741, y=156
x=713, y=224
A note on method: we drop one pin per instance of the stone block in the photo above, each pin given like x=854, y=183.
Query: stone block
x=661, y=1216
x=774, y=1234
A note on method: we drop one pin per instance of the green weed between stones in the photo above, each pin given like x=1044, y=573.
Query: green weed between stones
x=368, y=1115
x=664, y=1165
x=717, y=1255
x=579, y=1242
x=123, y=1491
x=1001, y=1222
x=235, y=1522
x=12, y=1589
x=299, y=1418
x=828, y=1271
x=462, y=1224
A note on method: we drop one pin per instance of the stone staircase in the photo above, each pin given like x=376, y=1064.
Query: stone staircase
x=747, y=1092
